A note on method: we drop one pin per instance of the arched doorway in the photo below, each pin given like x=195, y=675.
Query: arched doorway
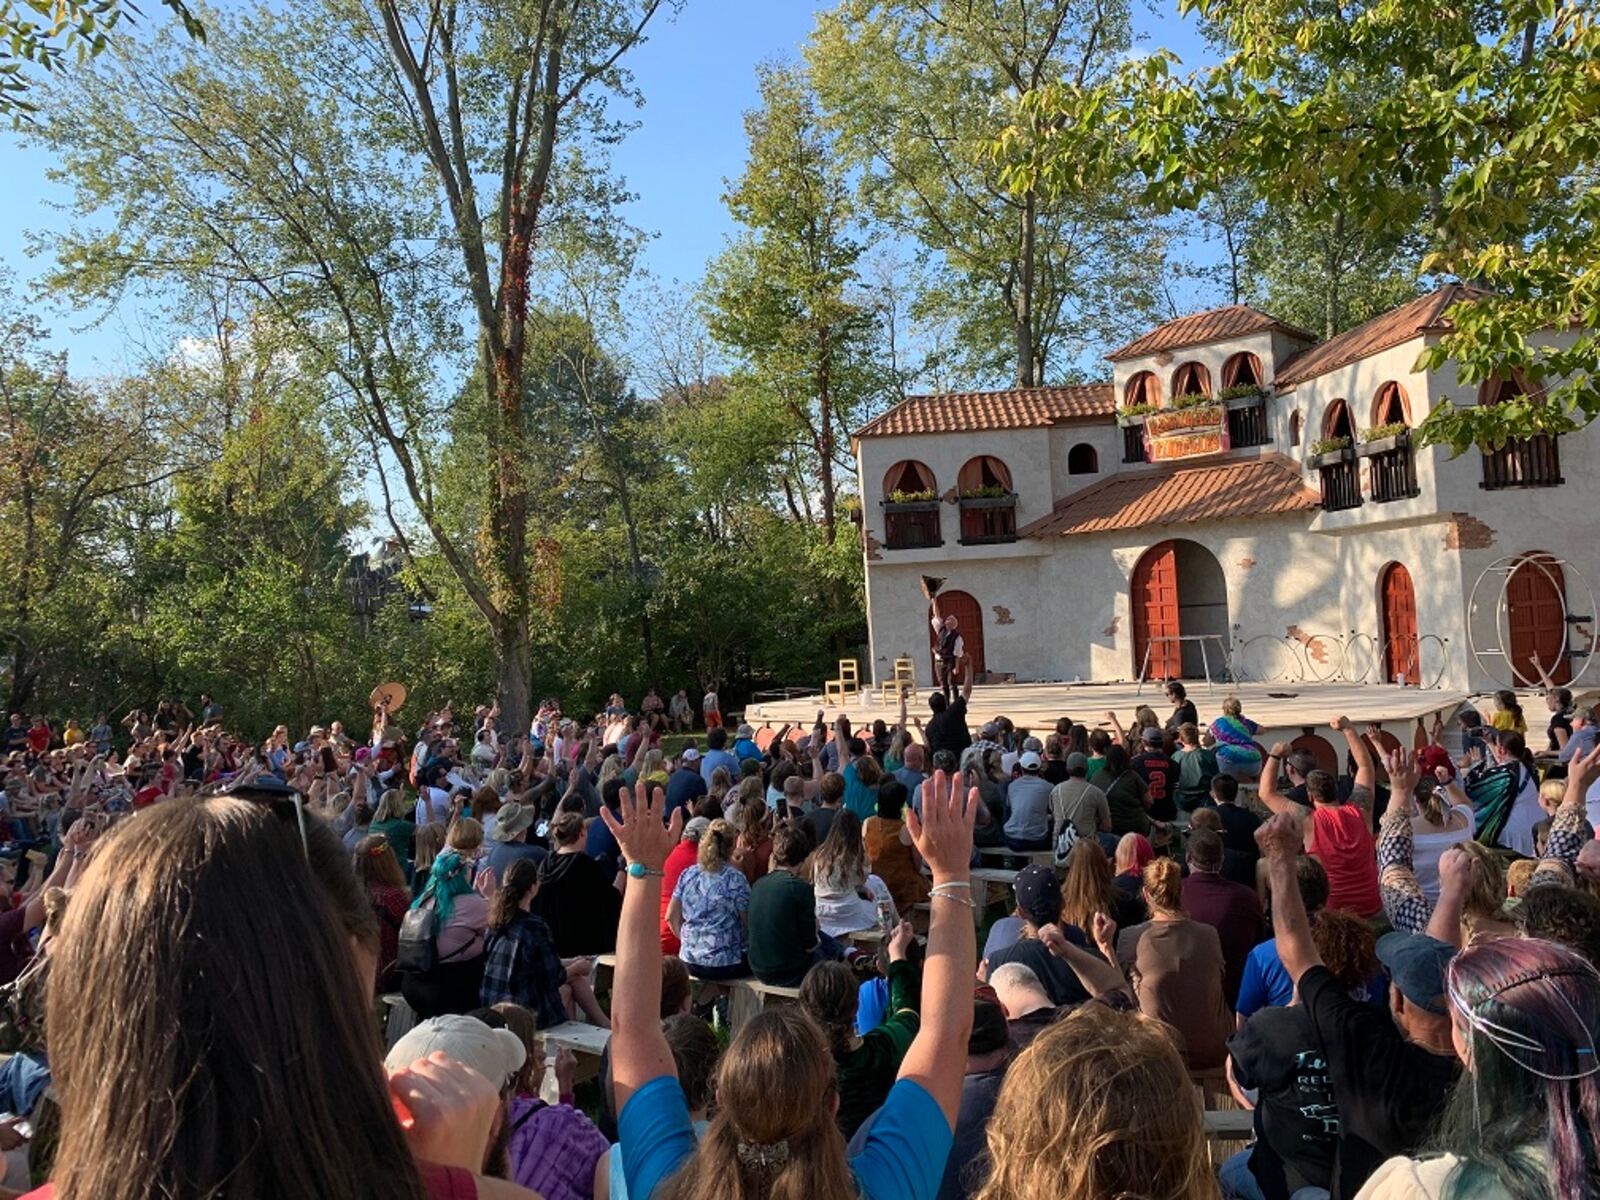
x=969, y=619
x=1536, y=618
x=1397, y=600
x=1178, y=590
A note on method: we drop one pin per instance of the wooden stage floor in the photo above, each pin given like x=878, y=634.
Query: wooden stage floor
x=1288, y=708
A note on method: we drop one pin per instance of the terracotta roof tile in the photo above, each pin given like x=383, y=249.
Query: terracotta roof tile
x=1425, y=314
x=1219, y=490
x=1197, y=329
x=1019, y=408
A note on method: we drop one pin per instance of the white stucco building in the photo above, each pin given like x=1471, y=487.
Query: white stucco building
x=1079, y=544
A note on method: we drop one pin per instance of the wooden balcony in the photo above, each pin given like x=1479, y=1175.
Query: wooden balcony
x=1393, y=465
x=911, y=525
x=1133, y=443
x=1247, y=426
x=1341, y=480
x=1523, y=463
x=988, y=520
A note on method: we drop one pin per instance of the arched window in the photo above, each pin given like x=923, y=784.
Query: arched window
x=983, y=474
x=1083, y=460
x=1498, y=390
x=1191, y=379
x=1143, y=388
x=1242, y=370
x=1391, y=406
x=1336, y=422
x=908, y=477
x=1294, y=428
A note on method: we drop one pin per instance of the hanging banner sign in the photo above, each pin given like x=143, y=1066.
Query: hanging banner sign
x=1178, y=433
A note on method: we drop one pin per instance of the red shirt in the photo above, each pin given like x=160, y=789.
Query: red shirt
x=679, y=861
x=39, y=738
x=1342, y=842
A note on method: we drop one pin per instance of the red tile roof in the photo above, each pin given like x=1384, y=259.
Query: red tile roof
x=1197, y=329
x=1425, y=314
x=1019, y=408
x=1248, y=487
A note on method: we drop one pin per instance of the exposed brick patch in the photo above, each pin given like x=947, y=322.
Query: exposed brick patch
x=1002, y=615
x=1316, y=647
x=871, y=544
x=1246, y=563
x=1110, y=630
x=949, y=496
x=1466, y=532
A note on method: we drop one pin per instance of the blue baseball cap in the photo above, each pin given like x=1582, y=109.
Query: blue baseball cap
x=1417, y=964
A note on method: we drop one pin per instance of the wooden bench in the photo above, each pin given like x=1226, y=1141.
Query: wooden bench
x=578, y=1036
x=398, y=1018
x=1044, y=858
x=747, y=997
x=1229, y=1124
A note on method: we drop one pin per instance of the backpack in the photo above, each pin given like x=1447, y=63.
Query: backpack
x=419, y=940
x=1066, y=841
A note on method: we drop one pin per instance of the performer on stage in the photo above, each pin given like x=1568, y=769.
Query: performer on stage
x=949, y=648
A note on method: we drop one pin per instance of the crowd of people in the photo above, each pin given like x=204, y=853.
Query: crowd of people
x=1392, y=963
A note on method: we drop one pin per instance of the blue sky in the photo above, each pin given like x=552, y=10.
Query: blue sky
x=697, y=74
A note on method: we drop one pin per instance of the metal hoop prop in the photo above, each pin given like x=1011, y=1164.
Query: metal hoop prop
x=1331, y=665
x=1496, y=660
x=1362, y=648
x=1269, y=659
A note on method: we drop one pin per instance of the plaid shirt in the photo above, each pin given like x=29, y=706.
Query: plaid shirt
x=521, y=966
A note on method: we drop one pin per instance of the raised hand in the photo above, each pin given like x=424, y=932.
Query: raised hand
x=1338, y=724
x=1583, y=771
x=1403, y=773
x=1458, y=871
x=1280, y=750
x=900, y=941
x=641, y=834
x=1281, y=837
x=1104, y=932
x=943, y=833
x=446, y=1109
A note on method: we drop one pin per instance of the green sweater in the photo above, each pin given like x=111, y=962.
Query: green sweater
x=868, y=1072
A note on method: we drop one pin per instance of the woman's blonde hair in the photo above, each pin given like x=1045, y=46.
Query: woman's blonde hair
x=500, y=780
x=391, y=806
x=1232, y=708
x=716, y=846
x=1487, y=898
x=466, y=835
x=721, y=781
x=425, y=848
x=1431, y=800
x=751, y=791
x=609, y=770
x=774, y=1136
x=1127, y=853
x=1099, y=1105
x=653, y=759
x=1163, y=885
x=1552, y=792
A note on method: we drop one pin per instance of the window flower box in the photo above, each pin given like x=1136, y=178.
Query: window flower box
x=1131, y=417
x=1244, y=399
x=1383, y=445
x=1330, y=458
x=911, y=506
x=1008, y=500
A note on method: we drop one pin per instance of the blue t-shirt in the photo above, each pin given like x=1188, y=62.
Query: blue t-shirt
x=744, y=748
x=712, y=759
x=858, y=797
x=913, y=779
x=872, y=1004
x=1267, y=985
x=684, y=787
x=903, y=1159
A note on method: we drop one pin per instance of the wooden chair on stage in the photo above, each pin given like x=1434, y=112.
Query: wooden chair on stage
x=837, y=691
x=902, y=683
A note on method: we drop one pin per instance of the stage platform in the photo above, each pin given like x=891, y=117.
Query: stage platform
x=1277, y=708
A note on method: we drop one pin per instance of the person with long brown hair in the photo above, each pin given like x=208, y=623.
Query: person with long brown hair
x=1176, y=967
x=848, y=894
x=1099, y=1105
x=381, y=878
x=1088, y=889
x=188, y=1075
x=521, y=965
x=774, y=1134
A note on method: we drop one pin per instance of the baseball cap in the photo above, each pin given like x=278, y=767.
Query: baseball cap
x=1038, y=894
x=1434, y=757
x=990, y=731
x=496, y=1054
x=1077, y=762
x=1152, y=736
x=690, y=754
x=1417, y=964
x=1032, y=743
x=1030, y=761
x=696, y=828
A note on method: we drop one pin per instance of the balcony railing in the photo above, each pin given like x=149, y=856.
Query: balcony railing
x=1524, y=463
x=1394, y=469
x=986, y=520
x=1247, y=426
x=1341, y=485
x=911, y=525
x=1133, y=443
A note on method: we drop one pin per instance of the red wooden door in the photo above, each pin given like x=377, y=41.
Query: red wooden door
x=969, y=618
x=1154, y=598
x=1399, y=626
x=1536, y=614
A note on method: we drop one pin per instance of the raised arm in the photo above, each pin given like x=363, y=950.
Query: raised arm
x=1458, y=871
x=1569, y=827
x=1360, y=750
x=1116, y=724
x=1403, y=899
x=639, y=1050
x=1098, y=977
x=1281, y=839
x=966, y=684
x=943, y=836
x=1269, y=793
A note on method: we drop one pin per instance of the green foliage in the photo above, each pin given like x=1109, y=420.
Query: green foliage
x=1240, y=391
x=46, y=33
x=992, y=491
x=1328, y=445
x=1137, y=410
x=1030, y=282
x=1474, y=123
x=1378, y=432
x=899, y=496
x=1193, y=400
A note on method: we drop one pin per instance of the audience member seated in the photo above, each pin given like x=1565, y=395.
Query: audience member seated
x=1232, y=909
x=462, y=920
x=521, y=965
x=890, y=854
x=708, y=908
x=577, y=899
x=785, y=940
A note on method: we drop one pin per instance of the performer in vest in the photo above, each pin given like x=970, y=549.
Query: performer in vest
x=949, y=648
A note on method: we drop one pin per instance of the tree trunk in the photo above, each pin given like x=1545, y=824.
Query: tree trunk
x=825, y=433
x=1331, y=311
x=1027, y=369
x=513, y=667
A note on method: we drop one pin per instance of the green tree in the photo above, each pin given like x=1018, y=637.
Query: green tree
x=371, y=172
x=1475, y=123
x=918, y=92
x=784, y=297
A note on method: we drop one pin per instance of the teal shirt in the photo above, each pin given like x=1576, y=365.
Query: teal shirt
x=858, y=797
